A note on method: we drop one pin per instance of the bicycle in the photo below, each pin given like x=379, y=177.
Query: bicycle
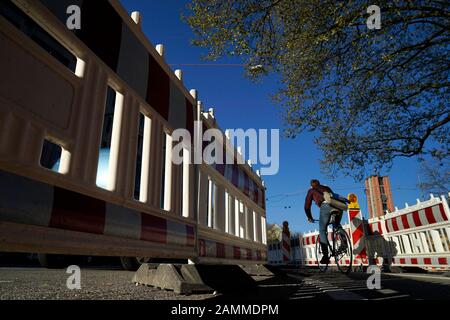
x=341, y=249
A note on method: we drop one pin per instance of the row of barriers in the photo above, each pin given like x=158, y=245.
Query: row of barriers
x=86, y=139
x=416, y=236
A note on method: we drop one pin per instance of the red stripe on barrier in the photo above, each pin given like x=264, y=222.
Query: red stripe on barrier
x=249, y=254
x=158, y=91
x=386, y=224
x=353, y=214
x=202, y=248
x=402, y=261
x=357, y=234
x=235, y=175
x=307, y=241
x=236, y=252
x=429, y=215
x=190, y=111
x=380, y=229
x=416, y=219
x=246, y=185
x=413, y=260
x=190, y=236
x=441, y=208
x=405, y=221
x=362, y=254
x=220, y=250
x=77, y=212
x=256, y=194
x=313, y=239
x=427, y=260
x=394, y=224
x=442, y=260
x=153, y=228
x=286, y=246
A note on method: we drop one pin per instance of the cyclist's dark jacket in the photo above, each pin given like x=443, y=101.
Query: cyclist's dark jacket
x=316, y=195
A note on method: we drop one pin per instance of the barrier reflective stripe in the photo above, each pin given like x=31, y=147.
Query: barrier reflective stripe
x=405, y=222
x=55, y=207
x=375, y=227
x=213, y=249
x=417, y=218
x=421, y=261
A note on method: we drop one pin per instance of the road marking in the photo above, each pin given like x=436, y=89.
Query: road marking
x=308, y=290
x=330, y=289
x=427, y=277
x=305, y=297
x=393, y=297
x=306, y=293
x=387, y=291
x=281, y=285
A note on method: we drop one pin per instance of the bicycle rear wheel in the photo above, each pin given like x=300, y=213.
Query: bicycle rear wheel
x=343, y=251
x=319, y=255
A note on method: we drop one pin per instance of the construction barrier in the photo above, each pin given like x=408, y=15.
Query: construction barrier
x=286, y=242
x=416, y=236
x=86, y=137
x=275, y=253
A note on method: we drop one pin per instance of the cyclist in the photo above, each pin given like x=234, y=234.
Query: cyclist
x=316, y=193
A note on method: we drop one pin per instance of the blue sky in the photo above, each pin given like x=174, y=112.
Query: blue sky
x=240, y=103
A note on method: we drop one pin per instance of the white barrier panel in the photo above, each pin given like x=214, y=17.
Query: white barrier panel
x=416, y=236
x=86, y=137
x=275, y=252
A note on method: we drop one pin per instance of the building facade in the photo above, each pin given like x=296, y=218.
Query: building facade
x=379, y=196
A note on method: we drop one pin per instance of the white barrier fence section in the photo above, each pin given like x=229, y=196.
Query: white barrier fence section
x=415, y=236
x=87, y=125
x=275, y=252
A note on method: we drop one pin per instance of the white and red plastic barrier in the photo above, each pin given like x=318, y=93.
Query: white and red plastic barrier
x=286, y=243
x=416, y=236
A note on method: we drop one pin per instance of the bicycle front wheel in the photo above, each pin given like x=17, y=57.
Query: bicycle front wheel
x=319, y=255
x=343, y=251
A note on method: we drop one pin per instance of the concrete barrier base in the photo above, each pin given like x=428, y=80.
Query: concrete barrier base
x=190, y=278
x=182, y=279
x=257, y=270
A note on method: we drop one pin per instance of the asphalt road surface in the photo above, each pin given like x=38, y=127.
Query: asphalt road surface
x=100, y=284
x=393, y=286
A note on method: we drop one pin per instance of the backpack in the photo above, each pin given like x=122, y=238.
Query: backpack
x=336, y=201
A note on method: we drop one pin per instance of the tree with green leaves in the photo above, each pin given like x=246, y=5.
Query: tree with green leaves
x=370, y=95
x=274, y=232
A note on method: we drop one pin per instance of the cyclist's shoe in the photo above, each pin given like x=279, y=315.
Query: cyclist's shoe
x=325, y=260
